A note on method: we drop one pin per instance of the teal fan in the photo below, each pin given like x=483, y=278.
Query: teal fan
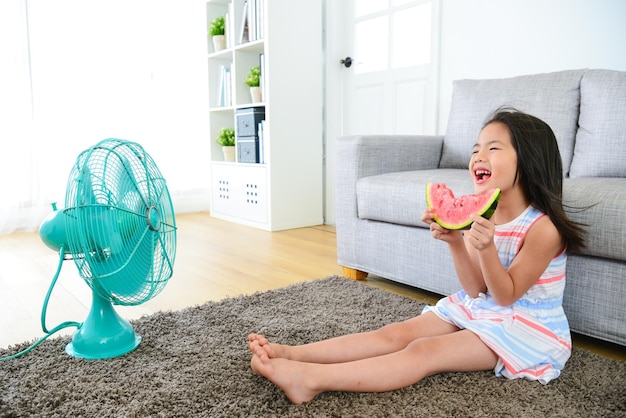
x=118, y=226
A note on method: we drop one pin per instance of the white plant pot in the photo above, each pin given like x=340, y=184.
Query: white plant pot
x=219, y=42
x=255, y=94
x=229, y=154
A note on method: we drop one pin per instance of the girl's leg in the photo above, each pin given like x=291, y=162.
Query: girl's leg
x=301, y=381
x=388, y=339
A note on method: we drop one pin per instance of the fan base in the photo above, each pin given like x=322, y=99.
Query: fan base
x=99, y=353
x=104, y=334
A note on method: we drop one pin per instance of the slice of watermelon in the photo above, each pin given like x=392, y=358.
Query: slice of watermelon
x=454, y=212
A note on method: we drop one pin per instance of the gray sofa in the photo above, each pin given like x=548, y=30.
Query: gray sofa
x=380, y=189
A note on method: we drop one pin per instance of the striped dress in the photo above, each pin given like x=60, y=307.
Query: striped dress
x=531, y=337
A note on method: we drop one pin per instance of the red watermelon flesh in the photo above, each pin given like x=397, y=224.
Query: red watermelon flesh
x=453, y=212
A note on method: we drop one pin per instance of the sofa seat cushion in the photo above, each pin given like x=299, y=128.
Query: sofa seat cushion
x=552, y=97
x=400, y=197
x=605, y=215
x=600, y=149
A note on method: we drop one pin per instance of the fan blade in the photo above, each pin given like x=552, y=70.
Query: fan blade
x=129, y=276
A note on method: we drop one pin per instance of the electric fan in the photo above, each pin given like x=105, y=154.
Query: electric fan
x=118, y=226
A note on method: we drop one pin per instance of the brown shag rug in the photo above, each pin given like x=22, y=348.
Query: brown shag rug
x=195, y=363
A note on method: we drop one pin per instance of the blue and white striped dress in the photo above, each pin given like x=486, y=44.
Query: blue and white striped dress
x=531, y=337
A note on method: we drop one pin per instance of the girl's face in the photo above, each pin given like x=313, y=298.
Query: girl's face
x=494, y=159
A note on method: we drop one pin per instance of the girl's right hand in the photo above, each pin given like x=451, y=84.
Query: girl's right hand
x=437, y=231
x=428, y=216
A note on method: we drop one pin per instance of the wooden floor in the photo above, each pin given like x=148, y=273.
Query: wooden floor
x=214, y=260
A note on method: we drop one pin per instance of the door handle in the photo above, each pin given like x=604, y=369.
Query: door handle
x=347, y=62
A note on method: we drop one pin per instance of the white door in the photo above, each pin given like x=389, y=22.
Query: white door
x=381, y=72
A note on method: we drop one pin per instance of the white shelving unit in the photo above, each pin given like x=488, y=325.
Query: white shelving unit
x=286, y=190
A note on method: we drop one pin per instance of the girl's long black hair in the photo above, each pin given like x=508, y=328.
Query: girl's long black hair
x=540, y=170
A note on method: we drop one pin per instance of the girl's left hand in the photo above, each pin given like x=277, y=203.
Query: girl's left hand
x=480, y=234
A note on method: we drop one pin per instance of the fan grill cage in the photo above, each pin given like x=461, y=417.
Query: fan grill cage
x=120, y=222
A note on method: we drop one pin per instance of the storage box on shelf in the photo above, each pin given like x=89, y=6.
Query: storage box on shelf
x=277, y=181
x=247, y=134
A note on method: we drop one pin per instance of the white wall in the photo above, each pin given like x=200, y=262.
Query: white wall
x=504, y=38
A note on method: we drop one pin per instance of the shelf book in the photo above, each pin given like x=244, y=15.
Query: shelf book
x=263, y=154
x=262, y=77
x=229, y=23
x=224, y=97
x=252, y=21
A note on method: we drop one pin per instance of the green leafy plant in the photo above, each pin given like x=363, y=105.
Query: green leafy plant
x=226, y=137
x=254, y=77
x=217, y=26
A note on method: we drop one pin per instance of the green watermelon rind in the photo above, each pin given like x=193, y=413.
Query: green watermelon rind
x=486, y=212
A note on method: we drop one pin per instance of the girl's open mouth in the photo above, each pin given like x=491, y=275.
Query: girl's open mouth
x=481, y=175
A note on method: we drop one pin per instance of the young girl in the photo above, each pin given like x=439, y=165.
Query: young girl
x=508, y=317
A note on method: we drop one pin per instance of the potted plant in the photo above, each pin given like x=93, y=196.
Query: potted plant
x=253, y=80
x=226, y=139
x=217, y=33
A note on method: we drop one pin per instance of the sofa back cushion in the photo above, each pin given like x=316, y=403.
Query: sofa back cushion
x=598, y=203
x=600, y=149
x=552, y=97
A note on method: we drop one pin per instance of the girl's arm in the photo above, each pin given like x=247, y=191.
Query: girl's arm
x=541, y=244
x=467, y=269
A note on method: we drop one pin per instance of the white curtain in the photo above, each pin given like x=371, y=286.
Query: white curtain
x=15, y=113
x=74, y=72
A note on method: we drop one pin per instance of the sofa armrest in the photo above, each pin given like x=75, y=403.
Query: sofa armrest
x=369, y=155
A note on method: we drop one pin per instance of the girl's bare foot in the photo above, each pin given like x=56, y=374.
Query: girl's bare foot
x=272, y=350
x=290, y=376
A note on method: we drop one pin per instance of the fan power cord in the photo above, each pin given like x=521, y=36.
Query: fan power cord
x=54, y=330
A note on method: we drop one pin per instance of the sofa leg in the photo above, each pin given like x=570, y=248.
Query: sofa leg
x=354, y=274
